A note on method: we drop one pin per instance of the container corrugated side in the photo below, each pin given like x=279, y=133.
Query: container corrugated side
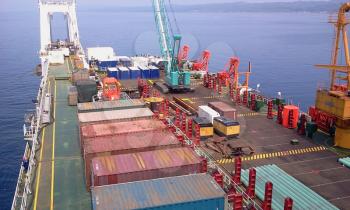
x=223, y=109
x=114, y=116
x=196, y=191
x=125, y=144
x=144, y=165
x=110, y=129
x=110, y=105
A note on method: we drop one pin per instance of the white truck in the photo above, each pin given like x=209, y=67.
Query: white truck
x=207, y=113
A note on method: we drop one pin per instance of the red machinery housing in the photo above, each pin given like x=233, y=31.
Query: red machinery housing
x=324, y=121
x=203, y=62
x=111, y=89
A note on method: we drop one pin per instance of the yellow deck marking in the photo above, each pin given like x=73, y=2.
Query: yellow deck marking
x=39, y=169
x=53, y=150
x=275, y=154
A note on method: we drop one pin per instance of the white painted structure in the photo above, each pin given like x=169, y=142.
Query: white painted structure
x=207, y=113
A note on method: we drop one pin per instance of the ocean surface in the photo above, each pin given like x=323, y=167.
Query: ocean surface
x=283, y=47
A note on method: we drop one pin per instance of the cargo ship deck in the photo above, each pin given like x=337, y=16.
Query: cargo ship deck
x=60, y=180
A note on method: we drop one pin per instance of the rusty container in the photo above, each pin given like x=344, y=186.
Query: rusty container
x=125, y=144
x=118, y=128
x=144, y=166
x=114, y=116
x=224, y=109
x=110, y=105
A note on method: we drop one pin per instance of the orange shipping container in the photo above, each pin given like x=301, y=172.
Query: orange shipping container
x=286, y=111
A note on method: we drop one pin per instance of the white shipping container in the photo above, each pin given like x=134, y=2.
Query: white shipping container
x=207, y=113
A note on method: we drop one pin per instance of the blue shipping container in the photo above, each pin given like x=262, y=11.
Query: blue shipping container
x=154, y=72
x=190, y=192
x=124, y=73
x=144, y=72
x=113, y=72
x=135, y=73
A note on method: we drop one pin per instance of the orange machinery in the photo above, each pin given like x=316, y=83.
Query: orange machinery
x=111, y=89
x=200, y=64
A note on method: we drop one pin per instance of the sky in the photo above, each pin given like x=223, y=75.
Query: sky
x=19, y=5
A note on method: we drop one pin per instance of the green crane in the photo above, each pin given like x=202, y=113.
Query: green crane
x=176, y=80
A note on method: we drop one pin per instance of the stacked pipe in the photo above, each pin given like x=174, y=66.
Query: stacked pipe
x=252, y=102
x=267, y=204
x=279, y=114
x=238, y=170
x=251, y=186
x=183, y=122
x=245, y=98
x=197, y=137
x=301, y=128
x=177, y=117
x=288, y=204
x=238, y=96
x=237, y=201
x=189, y=128
x=269, y=109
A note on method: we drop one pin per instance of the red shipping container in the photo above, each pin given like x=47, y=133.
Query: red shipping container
x=224, y=109
x=144, y=166
x=285, y=114
x=124, y=144
x=110, y=129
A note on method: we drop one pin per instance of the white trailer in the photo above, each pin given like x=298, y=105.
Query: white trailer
x=207, y=113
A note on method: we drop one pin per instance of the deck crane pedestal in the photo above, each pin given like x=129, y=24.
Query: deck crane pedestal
x=176, y=79
x=335, y=101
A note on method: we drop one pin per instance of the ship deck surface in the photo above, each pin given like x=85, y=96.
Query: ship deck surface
x=60, y=181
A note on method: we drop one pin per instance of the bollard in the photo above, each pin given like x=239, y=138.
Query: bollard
x=267, y=204
x=238, y=170
x=288, y=203
x=269, y=109
x=251, y=186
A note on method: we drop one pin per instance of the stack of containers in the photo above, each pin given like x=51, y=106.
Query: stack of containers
x=124, y=73
x=135, y=73
x=113, y=72
x=224, y=109
x=126, y=144
x=145, y=72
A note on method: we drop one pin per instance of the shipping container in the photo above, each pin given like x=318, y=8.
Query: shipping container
x=207, y=113
x=144, y=165
x=287, y=118
x=99, y=53
x=114, y=116
x=135, y=73
x=224, y=109
x=125, y=61
x=124, y=73
x=206, y=129
x=145, y=72
x=154, y=72
x=110, y=105
x=190, y=192
x=110, y=129
x=86, y=90
x=125, y=144
x=226, y=127
x=113, y=72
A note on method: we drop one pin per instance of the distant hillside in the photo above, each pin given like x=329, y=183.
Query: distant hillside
x=297, y=6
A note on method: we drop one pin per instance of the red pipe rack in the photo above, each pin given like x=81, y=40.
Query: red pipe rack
x=238, y=170
x=250, y=191
x=267, y=204
x=269, y=109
